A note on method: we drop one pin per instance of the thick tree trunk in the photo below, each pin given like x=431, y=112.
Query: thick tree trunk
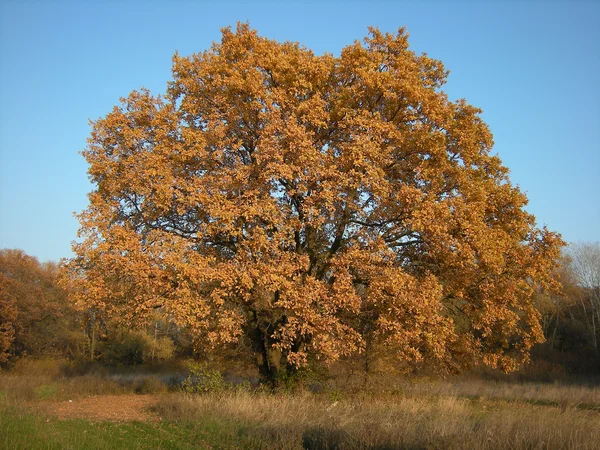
x=270, y=360
x=271, y=366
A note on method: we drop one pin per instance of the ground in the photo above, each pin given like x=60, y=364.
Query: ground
x=102, y=412
x=114, y=408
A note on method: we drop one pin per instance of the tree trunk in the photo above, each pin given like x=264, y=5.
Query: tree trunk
x=92, y=335
x=271, y=367
x=154, y=340
x=270, y=361
x=594, y=334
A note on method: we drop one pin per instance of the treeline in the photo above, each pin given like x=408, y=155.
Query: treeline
x=571, y=321
x=37, y=319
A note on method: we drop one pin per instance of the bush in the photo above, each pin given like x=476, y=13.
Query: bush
x=76, y=344
x=127, y=348
x=202, y=379
x=131, y=348
x=162, y=348
x=150, y=385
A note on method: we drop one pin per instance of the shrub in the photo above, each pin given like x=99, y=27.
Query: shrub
x=161, y=348
x=127, y=348
x=150, y=385
x=202, y=379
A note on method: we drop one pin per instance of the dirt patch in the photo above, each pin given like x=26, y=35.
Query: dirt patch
x=114, y=408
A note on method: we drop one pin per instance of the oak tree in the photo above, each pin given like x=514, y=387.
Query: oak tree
x=307, y=203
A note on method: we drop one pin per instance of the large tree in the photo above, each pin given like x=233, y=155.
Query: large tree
x=306, y=204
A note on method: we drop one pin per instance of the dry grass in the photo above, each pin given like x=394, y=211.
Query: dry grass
x=424, y=421
x=413, y=413
x=573, y=396
x=45, y=380
x=550, y=394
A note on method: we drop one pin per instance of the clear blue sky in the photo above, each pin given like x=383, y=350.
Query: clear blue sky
x=533, y=67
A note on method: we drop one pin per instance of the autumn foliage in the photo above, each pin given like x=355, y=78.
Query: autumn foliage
x=35, y=314
x=8, y=316
x=308, y=205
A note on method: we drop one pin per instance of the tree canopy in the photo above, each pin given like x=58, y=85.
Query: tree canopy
x=309, y=204
x=34, y=310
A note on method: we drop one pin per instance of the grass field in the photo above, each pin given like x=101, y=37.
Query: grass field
x=44, y=411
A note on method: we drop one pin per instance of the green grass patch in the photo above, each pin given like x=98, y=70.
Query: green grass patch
x=46, y=392
x=19, y=430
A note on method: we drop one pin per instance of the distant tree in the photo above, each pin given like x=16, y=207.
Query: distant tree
x=34, y=310
x=308, y=205
x=8, y=316
x=585, y=267
x=570, y=318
